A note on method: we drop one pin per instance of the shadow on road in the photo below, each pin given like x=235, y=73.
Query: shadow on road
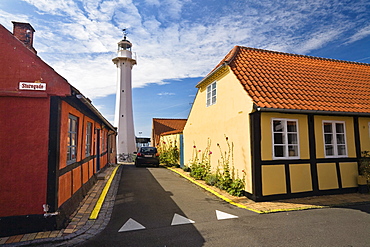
x=364, y=207
x=142, y=199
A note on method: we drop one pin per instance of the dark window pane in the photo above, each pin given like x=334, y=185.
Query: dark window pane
x=328, y=128
x=341, y=149
x=341, y=139
x=292, y=139
x=328, y=138
x=329, y=150
x=292, y=126
x=278, y=138
x=279, y=151
x=339, y=127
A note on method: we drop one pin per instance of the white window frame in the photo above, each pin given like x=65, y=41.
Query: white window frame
x=285, y=139
x=89, y=128
x=72, y=141
x=335, y=144
x=211, y=94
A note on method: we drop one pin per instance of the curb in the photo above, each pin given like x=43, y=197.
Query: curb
x=94, y=214
x=262, y=211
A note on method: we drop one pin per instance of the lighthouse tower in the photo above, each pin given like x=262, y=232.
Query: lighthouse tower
x=124, y=120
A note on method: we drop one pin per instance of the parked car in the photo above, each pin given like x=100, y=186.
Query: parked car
x=147, y=155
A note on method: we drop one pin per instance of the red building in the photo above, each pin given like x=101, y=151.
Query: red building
x=53, y=141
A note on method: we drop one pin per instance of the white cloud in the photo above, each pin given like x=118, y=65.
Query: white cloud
x=360, y=34
x=173, y=41
x=166, y=94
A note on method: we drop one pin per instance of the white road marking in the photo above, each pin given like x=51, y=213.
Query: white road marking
x=222, y=215
x=131, y=225
x=179, y=220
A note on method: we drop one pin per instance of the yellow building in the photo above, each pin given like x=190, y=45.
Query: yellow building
x=296, y=124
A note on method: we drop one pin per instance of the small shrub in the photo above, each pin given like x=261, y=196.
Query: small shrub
x=200, y=167
x=199, y=171
x=169, y=154
x=236, y=187
x=211, y=179
x=186, y=168
x=364, y=168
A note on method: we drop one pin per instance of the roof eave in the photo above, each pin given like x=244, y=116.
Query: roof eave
x=318, y=112
x=211, y=74
x=88, y=104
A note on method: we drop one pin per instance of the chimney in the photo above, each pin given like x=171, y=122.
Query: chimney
x=24, y=32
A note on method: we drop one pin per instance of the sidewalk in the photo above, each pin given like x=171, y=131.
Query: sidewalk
x=294, y=204
x=82, y=227
x=80, y=222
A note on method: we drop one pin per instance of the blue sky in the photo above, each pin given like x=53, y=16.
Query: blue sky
x=178, y=42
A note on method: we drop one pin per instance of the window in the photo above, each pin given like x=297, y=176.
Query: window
x=211, y=94
x=334, y=139
x=285, y=138
x=88, y=139
x=72, y=139
x=103, y=141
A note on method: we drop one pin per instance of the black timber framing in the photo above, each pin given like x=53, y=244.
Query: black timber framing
x=312, y=150
x=257, y=163
x=255, y=130
x=53, y=159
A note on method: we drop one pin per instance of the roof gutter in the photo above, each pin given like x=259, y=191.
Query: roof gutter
x=297, y=111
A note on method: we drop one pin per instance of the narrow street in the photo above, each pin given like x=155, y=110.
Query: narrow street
x=155, y=207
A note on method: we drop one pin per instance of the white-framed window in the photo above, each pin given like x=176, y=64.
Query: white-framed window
x=72, y=139
x=88, y=139
x=211, y=94
x=334, y=138
x=285, y=141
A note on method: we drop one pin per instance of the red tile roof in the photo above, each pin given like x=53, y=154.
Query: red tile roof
x=288, y=81
x=165, y=126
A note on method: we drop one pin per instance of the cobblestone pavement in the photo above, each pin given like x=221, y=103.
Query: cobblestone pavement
x=82, y=228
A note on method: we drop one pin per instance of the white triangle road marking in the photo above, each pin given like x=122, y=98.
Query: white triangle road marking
x=131, y=225
x=179, y=220
x=222, y=215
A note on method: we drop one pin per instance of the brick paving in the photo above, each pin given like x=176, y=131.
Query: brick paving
x=81, y=228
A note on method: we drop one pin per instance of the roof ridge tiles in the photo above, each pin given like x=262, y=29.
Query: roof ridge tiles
x=294, y=55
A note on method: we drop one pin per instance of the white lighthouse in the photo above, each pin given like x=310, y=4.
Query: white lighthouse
x=126, y=143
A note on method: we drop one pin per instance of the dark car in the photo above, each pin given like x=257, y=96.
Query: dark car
x=147, y=155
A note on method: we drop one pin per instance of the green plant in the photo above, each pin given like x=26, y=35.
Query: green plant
x=211, y=179
x=236, y=187
x=169, y=154
x=364, y=168
x=186, y=168
x=224, y=176
x=200, y=167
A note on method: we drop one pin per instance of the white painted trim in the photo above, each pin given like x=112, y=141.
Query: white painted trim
x=335, y=139
x=210, y=99
x=285, y=136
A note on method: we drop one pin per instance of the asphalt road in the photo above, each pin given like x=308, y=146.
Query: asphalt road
x=156, y=207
